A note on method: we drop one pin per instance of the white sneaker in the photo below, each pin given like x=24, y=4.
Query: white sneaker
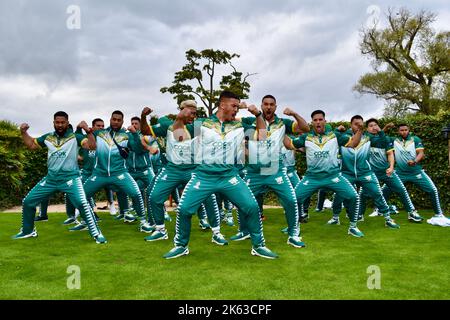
x=327, y=204
x=112, y=209
x=375, y=213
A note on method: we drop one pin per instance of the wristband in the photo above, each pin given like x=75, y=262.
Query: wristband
x=259, y=114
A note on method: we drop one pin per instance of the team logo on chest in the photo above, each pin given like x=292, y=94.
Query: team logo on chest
x=234, y=181
x=368, y=178
x=70, y=183
x=279, y=180
x=336, y=180
x=197, y=185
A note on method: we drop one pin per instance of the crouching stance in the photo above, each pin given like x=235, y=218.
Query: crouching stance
x=63, y=173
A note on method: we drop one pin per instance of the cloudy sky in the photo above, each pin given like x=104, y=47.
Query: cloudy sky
x=304, y=52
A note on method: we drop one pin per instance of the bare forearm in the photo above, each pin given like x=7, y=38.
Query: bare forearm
x=302, y=125
x=29, y=141
x=356, y=139
x=145, y=128
x=92, y=144
x=391, y=159
x=420, y=156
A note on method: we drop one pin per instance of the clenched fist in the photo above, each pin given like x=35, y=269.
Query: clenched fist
x=24, y=127
x=289, y=112
x=253, y=109
x=146, y=111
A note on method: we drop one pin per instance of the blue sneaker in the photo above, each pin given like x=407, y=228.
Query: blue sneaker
x=303, y=218
x=264, y=252
x=79, y=227
x=240, y=236
x=204, y=224
x=296, y=242
x=22, y=235
x=414, y=217
x=157, y=235
x=120, y=216
x=176, y=252
x=354, y=231
x=334, y=221
x=146, y=227
x=129, y=218
x=219, y=239
x=229, y=219
x=100, y=239
x=390, y=223
x=70, y=220
x=41, y=218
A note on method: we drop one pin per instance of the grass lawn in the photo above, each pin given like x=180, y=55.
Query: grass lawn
x=414, y=262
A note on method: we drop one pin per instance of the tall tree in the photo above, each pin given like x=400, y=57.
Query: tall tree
x=411, y=63
x=198, y=78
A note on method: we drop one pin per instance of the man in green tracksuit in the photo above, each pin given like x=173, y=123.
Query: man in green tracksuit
x=409, y=152
x=63, y=173
x=382, y=163
x=265, y=169
x=218, y=151
x=88, y=157
x=323, y=172
x=113, y=146
x=177, y=171
x=140, y=168
x=357, y=170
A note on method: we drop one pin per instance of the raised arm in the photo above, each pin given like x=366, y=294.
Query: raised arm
x=90, y=143
x=356, y=139
x=29, y=141
x=302, y=125
x=260, y=123
x=145, y=128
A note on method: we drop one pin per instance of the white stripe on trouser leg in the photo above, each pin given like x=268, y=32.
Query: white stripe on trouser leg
x=92, y=226
x=263, y=241
x=136, y=189
x=150, y=196
x=177, y=210
x=408, y=198
x=435, y=191
x=357, y=199
x=297, y=226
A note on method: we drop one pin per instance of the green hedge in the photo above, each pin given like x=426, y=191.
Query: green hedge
x=20, y=169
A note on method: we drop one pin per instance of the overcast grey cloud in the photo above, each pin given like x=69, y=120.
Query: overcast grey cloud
x=304, y=52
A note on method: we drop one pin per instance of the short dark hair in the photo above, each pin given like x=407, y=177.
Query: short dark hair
x=317, y=112
x=136, y=118
x=117, y=112
x=96, y=120
x=269, y=96
x=61, y=114
x=402, y=125
x=228, y=94
x=356, y=117
x=372, y=120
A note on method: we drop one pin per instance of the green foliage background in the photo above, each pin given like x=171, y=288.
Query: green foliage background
x=21, y=169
